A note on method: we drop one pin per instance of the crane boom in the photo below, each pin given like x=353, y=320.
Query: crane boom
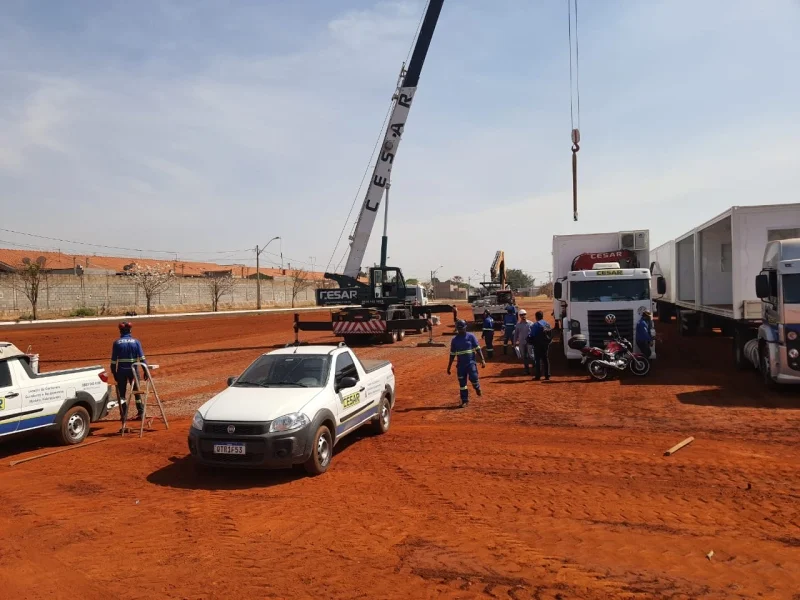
x=381, y=175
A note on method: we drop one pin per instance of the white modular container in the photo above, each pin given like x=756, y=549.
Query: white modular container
x=715, y=264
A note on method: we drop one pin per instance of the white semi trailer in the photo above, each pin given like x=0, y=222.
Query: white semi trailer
x=707, y=279
x=597, y=274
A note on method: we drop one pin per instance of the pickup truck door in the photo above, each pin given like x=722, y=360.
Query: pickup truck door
x=10, y=400
x=352, y=401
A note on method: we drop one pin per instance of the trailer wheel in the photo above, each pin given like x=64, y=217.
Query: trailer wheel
x=351, y=340
x=401, y=335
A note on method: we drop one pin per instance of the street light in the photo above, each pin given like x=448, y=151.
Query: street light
x=433, y=276
x=258, y=272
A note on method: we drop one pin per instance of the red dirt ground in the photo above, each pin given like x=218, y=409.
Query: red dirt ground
x=537, y=490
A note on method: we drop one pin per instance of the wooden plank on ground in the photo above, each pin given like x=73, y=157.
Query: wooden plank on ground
x=22, y=460
x=677, y=447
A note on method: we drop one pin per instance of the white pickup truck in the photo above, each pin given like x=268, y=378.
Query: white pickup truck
x=63, y=401
x=292, y=406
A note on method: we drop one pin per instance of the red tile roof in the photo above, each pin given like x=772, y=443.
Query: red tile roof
x=60, y=261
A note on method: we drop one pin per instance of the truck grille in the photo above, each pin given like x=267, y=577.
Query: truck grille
x=239, y=428
x=598, y=328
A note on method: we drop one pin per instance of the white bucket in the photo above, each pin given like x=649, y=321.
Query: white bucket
x=34, y=360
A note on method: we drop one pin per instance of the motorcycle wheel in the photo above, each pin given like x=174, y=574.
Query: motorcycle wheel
x=597, y=370
x=639, y=366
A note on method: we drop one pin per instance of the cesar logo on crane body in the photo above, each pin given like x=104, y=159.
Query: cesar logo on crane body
x=338, y=294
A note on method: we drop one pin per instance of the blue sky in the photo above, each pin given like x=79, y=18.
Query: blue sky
x=204, y=126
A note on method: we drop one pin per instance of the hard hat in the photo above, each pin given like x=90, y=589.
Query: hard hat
x=486, y=311
x=647, y=313
x=509, y=308
x=461, y=324
x=523, y=312
x=125, y=326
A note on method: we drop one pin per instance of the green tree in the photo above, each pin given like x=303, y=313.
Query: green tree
x=517, y=279
x=412, y=281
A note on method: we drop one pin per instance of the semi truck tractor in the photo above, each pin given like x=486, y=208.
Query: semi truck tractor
x=596, y=275
x=715, y=276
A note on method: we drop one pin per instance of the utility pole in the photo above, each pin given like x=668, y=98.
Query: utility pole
x=258, y=272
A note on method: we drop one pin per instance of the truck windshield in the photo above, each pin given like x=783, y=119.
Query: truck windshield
x=791, y=289
x=609, y=290
x=286, y=370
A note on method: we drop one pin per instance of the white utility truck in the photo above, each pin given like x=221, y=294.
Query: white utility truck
x=62, y=401
x=598, y=274
x=707, y=279
x=292, y=406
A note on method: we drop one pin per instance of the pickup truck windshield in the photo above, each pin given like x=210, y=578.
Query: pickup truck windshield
x=609, y=290
x=791, y=289
x=286, y=370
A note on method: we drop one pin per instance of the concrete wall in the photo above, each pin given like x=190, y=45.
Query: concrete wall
x=446, y=290
x=112, y=294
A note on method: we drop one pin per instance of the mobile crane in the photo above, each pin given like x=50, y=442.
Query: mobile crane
x=381, y=307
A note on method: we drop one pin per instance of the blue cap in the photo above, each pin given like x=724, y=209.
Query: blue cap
x=461, y=324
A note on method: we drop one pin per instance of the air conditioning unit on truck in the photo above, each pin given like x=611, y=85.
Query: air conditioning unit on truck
x=599, y=274
x=738, y=272
x=386, y=306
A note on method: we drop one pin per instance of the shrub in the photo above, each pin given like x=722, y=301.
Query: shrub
x=84, y=312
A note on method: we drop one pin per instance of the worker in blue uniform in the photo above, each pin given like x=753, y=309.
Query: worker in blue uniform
x=488, y=333
x=126, y=351
x=463, y=348
x=509, y=324
x=644, y=336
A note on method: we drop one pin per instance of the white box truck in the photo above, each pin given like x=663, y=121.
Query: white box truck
x=599, y=274
x=706, y=278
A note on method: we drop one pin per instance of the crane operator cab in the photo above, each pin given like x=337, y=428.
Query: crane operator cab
x=388, y=285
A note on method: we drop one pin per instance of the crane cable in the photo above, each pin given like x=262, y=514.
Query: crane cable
x=574, y=94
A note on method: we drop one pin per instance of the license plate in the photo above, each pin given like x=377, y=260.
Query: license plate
x=231, y=448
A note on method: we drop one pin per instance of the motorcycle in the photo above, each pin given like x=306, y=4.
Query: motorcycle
x=588, y=353
x=617, y=355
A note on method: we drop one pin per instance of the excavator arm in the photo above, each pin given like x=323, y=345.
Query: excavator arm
x=498, y=269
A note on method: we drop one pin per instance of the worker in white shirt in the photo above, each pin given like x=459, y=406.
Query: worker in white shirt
x=521, y=333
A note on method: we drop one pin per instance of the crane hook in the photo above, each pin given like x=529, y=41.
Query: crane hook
x=576, y=138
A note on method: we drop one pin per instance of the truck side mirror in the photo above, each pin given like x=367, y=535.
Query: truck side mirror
x=557, y=290
x=346, y=382
x=661, y=285
x=231, y=381
x=762, y=286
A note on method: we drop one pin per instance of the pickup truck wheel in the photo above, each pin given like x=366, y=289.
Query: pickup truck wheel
x=384, y=419
x=74, y=426
x=321, y=452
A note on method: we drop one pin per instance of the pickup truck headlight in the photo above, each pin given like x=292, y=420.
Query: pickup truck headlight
x=289, y=422
x=197, y=421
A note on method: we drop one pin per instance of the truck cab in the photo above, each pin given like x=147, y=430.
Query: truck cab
x=416, y=294
x=778, y=287
x=585, y=297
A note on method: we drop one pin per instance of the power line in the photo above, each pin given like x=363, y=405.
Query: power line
x=74, y=242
